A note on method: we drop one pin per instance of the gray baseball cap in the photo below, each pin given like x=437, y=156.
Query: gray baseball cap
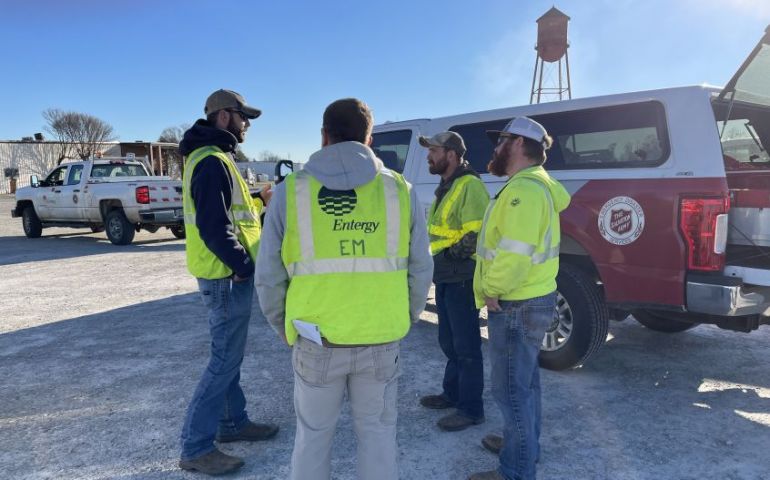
x=521, y=126
x=450, y=140
x=228, y=100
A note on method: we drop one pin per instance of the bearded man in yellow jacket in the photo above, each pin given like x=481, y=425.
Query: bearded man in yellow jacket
x=515, y=278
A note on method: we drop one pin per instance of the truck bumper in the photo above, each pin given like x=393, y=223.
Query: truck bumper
x=726, y=296
x=166, y=216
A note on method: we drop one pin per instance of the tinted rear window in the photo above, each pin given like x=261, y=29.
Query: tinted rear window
x=622, y=136
x=392, y=147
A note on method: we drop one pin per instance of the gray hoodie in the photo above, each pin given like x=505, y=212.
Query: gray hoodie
x=342, y=166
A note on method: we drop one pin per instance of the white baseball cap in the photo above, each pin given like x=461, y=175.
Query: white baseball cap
x=520, y=126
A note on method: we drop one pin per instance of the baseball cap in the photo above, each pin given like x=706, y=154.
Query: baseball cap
x=227, y=99
x=450, y=140
x=521, y=126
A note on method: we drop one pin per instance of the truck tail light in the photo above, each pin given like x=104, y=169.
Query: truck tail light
x=703, y=223
x=143, y=194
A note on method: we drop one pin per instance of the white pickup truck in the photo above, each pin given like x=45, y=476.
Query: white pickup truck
x=116, y=195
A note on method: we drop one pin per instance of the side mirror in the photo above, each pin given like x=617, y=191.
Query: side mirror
x=33, y=181
x=283, y=169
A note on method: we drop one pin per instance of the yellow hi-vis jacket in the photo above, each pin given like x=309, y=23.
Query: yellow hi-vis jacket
x=244, y=214
x=518, y=247
x=346, y=253
x=459, y=212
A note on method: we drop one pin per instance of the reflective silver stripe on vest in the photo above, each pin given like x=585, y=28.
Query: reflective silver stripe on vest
x=392, y=211
x=189, y=219
x=244, y=215
x=304, y=222
x=347, y=265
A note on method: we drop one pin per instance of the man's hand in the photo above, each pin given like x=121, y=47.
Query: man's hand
x=266, y=194
x=492, y=304
x=237, y=279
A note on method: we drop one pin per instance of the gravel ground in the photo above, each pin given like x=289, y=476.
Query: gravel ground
x=101, y=347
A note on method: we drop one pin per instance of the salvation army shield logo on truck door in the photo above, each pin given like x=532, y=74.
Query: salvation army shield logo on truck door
x=621, y=220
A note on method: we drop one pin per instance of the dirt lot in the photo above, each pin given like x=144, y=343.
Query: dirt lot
x=101, y=347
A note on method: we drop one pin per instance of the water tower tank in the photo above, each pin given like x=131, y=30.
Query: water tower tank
x=552, y=35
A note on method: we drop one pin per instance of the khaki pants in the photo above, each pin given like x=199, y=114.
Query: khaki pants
x=322, y=375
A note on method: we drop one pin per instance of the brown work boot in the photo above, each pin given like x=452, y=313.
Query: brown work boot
x=251, y=432
x=490, y=475
x=457, y=421
x=212, y=463
x=493, y=443
x=436, y=402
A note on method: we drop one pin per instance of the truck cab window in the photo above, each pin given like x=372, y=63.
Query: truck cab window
x=56, y=178
x=74, y=176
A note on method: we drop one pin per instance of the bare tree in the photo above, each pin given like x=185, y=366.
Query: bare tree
x=174, y=163
x=173, y=134
x=58, y=128
x=77, y=132
x=268, y=156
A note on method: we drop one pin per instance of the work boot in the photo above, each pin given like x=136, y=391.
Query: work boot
x=457, y=421
x=212, y=463
x=251, y=432
x=493, y=443
x=436, y=402
x=490, y=475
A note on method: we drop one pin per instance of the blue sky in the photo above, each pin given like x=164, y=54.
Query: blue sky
x=145, y=65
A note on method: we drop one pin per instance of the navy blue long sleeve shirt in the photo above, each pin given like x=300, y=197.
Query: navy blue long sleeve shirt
x=211, y=190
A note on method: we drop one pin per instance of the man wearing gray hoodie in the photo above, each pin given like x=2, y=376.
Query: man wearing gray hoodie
x=344, y=266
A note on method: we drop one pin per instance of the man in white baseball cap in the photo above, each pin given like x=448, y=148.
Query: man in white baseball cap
x=517, y=262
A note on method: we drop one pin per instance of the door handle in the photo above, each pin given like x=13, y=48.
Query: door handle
x=57, y=191
x=77, y=190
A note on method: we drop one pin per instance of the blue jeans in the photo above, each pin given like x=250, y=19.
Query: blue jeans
x=218, y=404
x=515, y=336
x=460, y=339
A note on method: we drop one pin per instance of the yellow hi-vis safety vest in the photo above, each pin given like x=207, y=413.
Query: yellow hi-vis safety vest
x=346, y=254
x=244, y=214
x=509, y=267
x=459, y=213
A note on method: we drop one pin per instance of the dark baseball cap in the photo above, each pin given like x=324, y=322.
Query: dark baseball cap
x=228, y=100
x=450, y=140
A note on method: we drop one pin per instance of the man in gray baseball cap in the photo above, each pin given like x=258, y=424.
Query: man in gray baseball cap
x=228, y=100
x=453, y=224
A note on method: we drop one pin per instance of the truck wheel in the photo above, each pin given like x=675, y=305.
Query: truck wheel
x=31, y=223
x=666, y=322
x=580, y=321
x=178, y=231
x=119, y=230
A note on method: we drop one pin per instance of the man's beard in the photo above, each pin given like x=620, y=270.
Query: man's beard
x=237, y=130
x=499, y=163
x=438, y=167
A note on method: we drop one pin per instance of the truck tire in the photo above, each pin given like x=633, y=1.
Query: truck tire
x=666, y=322
x=580, y=321
x=178, y=231
x=119, y=230
x=31, y=222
